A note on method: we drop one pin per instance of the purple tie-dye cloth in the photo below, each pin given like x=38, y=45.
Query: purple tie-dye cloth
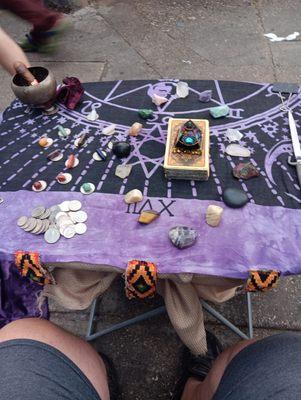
x=265, y=234
x=18, y=296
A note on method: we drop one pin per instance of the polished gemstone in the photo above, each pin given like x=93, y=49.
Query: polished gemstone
x=38, y=186
x=87, y=188
x=109, y=130
x=235, y=198
x=134, y=196
x=61, y=178
x=135, y=129
x=182, y=89
x=159, y=100
x=145, y=113
x=123, y=171
x=233, y=135
x=81, y=140
x=63, y=132
x=121, y=149
x=245, y=171
x=55, y=155
x=100, y=155
x=183, y=236
x=92, y=116
x=214, y=215
x=43, y=142
x=235, y=150
x=71, y=161
x=64, y=178
x=220, y=111
x=148, y=216
x=205, y=96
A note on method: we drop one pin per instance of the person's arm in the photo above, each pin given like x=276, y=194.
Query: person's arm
x=10, y=52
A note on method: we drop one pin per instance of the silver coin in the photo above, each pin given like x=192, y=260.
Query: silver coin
x=63, y=227
x=41, y=230
x=69, y=232
x=31, y=224
x=38, y=211
x=71, y=215
x=64, y=220
x=64, y=206
x=54, y=212
x=22, y=221
x=80, y=216
x=60, y=214
x=46, y=214
x=52, y=235
x=75, y=205
x=80, y=228
x=44, y=227
x=54, y=209
x=27, y=223
x=39, y=225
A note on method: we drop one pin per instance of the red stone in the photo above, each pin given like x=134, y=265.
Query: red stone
x=61, y=178
x=245, y=171
x=37, y=185
x=71, y=161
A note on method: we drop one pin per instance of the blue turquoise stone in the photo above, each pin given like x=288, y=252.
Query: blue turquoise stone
x=189, y=140
x=220, y=111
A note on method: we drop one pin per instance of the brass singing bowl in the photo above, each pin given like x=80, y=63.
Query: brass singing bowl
x=40, y=95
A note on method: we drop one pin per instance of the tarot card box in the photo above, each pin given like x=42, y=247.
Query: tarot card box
x=185, y=165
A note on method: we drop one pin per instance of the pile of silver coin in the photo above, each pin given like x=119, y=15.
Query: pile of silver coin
x=66, y=219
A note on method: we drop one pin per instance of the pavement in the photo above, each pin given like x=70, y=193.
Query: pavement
x=134, y=39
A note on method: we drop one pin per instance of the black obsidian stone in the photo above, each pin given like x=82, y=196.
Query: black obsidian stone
x=235, y=198
x=121, y=149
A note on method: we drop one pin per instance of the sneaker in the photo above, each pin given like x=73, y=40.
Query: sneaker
x=49, y=40
x=197, y=366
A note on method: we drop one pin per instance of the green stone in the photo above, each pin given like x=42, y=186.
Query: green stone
x=86, y=187
x=145, y=113
x=218, y=112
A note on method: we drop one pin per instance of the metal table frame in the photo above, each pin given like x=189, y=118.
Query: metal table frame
x=91, y=335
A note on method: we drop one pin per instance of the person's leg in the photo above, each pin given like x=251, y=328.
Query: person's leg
x=267, y=368
x=10, y=52
x=76, y=349
x=33, y=11
x=196, y=390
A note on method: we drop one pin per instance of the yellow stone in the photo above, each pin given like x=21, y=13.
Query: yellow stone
x=146, y=217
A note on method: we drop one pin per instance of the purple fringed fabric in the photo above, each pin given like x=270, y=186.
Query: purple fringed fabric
x=70, y=92
x=18, y=296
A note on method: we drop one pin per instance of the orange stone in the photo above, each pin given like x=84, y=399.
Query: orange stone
x=70, y=161
x=135, y=129
x=146, y=217
x=43, y=141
